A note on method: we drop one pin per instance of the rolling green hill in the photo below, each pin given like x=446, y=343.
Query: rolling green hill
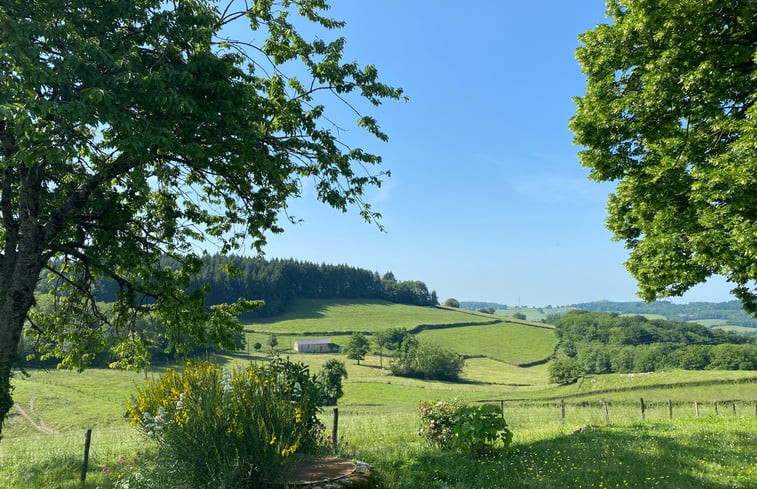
x=378, y=414
x=510, y=342
x=323, y=316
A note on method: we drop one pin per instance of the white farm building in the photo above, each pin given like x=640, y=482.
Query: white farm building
x=320, y=345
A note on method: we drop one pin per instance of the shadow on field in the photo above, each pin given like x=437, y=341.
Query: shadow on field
x=634, y=456
x=315, y=309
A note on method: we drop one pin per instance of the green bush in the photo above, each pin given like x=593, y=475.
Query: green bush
x=426, y=360
x=437, y=421
x=330, y=381
x=475, y=430
x=565, y=370
x=478, y=428
x=229, y=428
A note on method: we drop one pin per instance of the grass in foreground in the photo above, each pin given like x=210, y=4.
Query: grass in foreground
x=705, y=452
x=702, y=453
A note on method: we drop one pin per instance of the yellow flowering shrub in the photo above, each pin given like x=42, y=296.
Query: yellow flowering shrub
x=236, y=425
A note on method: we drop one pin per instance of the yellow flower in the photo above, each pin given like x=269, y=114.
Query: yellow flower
x=273, y=440
x=288, y=451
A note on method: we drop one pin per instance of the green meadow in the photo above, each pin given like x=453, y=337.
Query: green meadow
x=378, y=421
x=332, y=316
x=510, y=342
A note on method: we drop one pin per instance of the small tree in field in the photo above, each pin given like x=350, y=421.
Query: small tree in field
x=452, y=302
x=357, y=347
x=330, y=381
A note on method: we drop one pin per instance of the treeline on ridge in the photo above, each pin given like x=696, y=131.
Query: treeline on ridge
x=731, y=311
x=279, y=281
x=598, y=343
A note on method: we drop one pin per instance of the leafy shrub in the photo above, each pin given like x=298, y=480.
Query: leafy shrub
x=426, y=360
x=478, y=428
x=229, y=428
x=330, y=381
x=470, y=429
x=435, y=362
x=438, y=422
x=565, y=370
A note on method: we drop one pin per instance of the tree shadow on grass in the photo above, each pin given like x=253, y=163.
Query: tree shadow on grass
x=630, y=456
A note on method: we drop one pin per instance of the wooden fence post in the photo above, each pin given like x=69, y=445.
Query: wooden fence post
x=502, y=408
x=335, y=430
x=643, y=409
x=562, y=412
x=696, y=409
x=670, y=408
x=715, y=404
x=733, y=405
x=607, y=413
x=87, y=440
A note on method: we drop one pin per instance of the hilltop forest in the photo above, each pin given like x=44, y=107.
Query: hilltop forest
x=279, y=281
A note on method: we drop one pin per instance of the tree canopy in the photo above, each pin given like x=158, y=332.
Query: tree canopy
x=598, y=343
x=357, y=347
x=132, y=131
x=669, y=114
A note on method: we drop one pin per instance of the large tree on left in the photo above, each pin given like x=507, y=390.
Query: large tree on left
x=133, y=130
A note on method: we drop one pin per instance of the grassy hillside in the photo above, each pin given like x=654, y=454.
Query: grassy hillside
x=324, y=316
x=43, y=439
x=509, y=342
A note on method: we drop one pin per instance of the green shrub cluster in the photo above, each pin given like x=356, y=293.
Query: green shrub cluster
x=475, y=430
x=229, y=428
x=426, y=360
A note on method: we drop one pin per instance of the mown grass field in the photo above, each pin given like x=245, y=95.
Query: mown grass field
x=378, y=417
x=316, y=315
x=510, y=342
x=739, y=329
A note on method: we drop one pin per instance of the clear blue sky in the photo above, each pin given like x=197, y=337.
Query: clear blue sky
x=487, y=200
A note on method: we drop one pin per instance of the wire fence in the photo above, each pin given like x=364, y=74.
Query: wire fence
x=106, y=444
x=375, y=423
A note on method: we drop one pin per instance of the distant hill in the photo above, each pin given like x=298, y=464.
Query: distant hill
x=708, y=313
x=730, y=312
x=475, y=306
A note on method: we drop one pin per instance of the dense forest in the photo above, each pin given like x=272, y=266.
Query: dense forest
x=597, y=343
x=279, y=281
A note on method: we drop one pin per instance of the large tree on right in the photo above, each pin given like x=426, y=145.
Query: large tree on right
x=669, y=115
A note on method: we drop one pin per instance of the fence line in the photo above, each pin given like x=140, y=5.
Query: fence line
x=641, y=410
x=108, y=443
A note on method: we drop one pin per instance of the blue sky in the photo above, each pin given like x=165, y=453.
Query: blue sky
x=487, y=200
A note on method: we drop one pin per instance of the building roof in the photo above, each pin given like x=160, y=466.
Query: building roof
x=319, y=341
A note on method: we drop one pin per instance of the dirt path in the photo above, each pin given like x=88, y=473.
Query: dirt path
x=40, y=425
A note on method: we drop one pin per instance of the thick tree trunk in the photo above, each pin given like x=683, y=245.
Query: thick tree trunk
x=18, y=278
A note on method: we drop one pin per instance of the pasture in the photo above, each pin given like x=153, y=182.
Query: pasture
x=309, y=316
x=43, y=439
x=378, y=423
x=511, y=342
